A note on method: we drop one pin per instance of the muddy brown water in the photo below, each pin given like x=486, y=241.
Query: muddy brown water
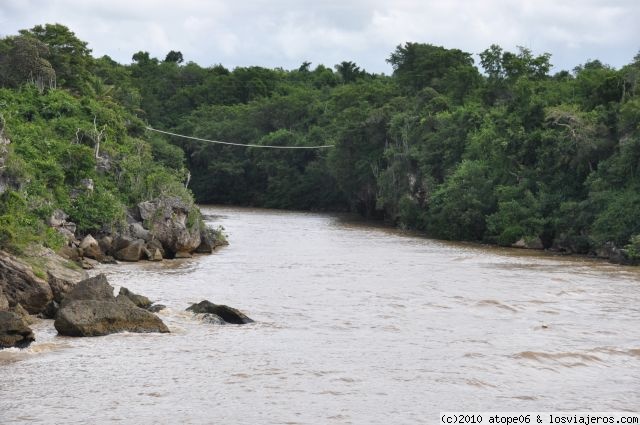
x=354, y=324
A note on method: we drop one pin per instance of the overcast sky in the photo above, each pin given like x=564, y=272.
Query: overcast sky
x=284, y=33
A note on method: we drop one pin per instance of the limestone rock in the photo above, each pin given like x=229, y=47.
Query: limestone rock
x=167, y=220
x=131, y=252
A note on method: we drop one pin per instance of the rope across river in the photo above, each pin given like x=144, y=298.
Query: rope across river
x=248, y=145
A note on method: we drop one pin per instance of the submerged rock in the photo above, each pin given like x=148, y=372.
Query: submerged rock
x=14, y=332
x=91, y=309
x=155, y=308
x=226, y=313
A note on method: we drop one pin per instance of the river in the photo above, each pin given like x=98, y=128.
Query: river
x=355, y=324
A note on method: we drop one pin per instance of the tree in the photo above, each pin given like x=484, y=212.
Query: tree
x=174, y=57
x=25, y=62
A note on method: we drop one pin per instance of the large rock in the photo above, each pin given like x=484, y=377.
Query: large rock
x=96, y=318
x=168, y=221
x=93, y=288
x=57, y=219
x=528, y=243
x=207, y=241
x=133, y=251
x=91, y=248
x=226, y=313
x=138, y=231
x=91, y=309
x=21, y=286
x=14, y=332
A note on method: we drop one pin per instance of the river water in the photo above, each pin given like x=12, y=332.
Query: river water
x=355, y=324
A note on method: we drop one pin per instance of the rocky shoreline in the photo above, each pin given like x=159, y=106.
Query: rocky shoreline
x=56, y=286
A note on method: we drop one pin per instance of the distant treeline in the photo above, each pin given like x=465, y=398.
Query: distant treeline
x=505, y=153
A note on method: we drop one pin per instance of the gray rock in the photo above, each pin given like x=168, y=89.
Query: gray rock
x=105, y=243
x=533, y=243
x=21, y=286
x=14, y=332
x=91, y=248
x=24, y=314
x=57, y=219
x=51, y=310
x=87, y=184
x=96, y=288
x=207, y=241
x=139, y=300
x=228, y=314
x=96, y=318
x=213, y=319
x=139, y=232
x=131, y=252
x=90, y=309
x=157, y=308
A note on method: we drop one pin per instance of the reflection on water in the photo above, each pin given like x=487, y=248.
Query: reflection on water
x=355, y=324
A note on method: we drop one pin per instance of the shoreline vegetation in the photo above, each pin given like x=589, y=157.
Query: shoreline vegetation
x=502, y=152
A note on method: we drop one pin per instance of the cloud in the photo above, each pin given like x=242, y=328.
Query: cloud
x=287, y=32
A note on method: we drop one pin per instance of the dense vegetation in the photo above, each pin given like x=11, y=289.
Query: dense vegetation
x=74, y=146
x=499, y=155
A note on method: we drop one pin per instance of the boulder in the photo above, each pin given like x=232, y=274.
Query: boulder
x=105, y=243
x=90, y=309
x=155, y=245
x=139, y=300
x=70, y=253
x=91, y=248
x=156, y=255
x=21, y=286
x=51, y=310
x=134, y=251
x=14, y=332
x=62, y=278
x=168, y=221
x=213, y=319
x=226, y=313
x=97, y=317
x=89, y=263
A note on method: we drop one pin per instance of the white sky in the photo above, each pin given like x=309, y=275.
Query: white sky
x=284, y=33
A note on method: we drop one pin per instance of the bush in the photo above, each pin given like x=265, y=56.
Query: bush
x=93, y=211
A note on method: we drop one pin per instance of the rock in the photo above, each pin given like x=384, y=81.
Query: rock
x=89, y=263
x=57, y=219
x=131, y=252
x=213, y=319
x=167, y=221
x=91, y=248
x=528, y=243
x=207, y=241
x=154, y=245
x=69, y=235
x=21, y=286
x=156, y=255
x=91, y=309
x=51, y=310
x=24, y=314
x=96, y=318
x=13, y=331
x=183, y=254
x=70, y=253
x=4, y=302
x=139, y=232
x=62, y=275
x=107, y=259
x=105, y=243
x=157, y=308
x=87, y=185
x=228, y=314
x=139, y=300
x=94, y=288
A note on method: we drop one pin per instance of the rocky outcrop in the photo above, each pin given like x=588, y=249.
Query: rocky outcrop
x=225, y=313
x=21, y=286
x=209, y=240
x=167, y=220
x=14, y=332
x=90, y=309
x=528, y=243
